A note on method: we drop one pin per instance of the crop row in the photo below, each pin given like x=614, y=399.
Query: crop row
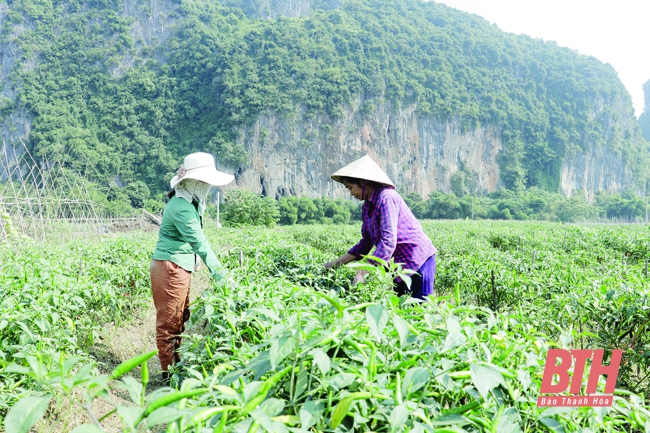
x=288, y=346
x=54, y=300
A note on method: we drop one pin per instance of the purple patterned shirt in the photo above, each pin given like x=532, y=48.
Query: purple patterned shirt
x=389, y=224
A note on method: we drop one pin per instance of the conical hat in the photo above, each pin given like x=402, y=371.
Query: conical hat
x=363, y=168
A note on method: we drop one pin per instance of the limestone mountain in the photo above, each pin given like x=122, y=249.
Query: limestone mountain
x=286, y=92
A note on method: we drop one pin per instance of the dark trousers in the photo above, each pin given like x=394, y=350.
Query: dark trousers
x=421, y=283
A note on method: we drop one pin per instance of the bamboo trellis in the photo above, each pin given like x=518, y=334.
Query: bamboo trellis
x=33, y=195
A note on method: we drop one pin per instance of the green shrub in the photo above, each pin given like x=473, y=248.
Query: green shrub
x=138, y=192
x=243, y=207
x=307, y=210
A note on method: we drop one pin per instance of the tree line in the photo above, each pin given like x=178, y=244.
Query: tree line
x=242, y=207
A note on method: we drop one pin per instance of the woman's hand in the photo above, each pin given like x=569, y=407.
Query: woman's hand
x=359, y=277
x=332, y=264
x=343, y=260
x=219, y=276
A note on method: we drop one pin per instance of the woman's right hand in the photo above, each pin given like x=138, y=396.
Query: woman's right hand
x=359, y=277
x=332, y=264
x=219, y=276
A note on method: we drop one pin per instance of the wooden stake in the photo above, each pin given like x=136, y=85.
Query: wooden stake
x=582, y=337
x=494, y=293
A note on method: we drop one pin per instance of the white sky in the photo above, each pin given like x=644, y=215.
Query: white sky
x=614, y=31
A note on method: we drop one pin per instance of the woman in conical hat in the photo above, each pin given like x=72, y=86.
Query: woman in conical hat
x=180, y=240
x=389, y=225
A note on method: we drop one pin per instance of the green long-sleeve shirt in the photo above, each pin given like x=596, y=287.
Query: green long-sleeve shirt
x=181, y=236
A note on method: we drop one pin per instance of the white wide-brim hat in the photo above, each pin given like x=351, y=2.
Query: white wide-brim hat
x=363, y=168
x=200, y=166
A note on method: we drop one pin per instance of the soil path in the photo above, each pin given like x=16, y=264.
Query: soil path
x=118, y=342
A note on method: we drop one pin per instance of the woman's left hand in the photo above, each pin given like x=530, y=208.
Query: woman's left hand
x=359, y=277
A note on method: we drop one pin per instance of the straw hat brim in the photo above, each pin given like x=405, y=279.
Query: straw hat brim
x=209, y=175
x=363, y=168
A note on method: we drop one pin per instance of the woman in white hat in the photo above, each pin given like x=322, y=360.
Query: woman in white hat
x=180, y=240
x=389, y=225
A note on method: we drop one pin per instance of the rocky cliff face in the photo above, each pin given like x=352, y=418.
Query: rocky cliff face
x=15, y=124
x=419, y=153
x=599, y=169
x=272, y=9
x=297, y=157
x=644, y=120
x=151, y=26
x=283, y=8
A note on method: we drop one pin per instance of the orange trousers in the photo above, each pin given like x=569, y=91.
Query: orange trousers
x=170, y=286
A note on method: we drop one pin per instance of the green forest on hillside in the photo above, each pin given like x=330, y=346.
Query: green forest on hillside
x=120, y=110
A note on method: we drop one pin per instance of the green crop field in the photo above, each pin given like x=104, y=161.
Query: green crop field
x=285, y=346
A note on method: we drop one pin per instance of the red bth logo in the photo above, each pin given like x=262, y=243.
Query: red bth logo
x=566, y=358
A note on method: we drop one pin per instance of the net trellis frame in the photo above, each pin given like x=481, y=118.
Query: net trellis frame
x=38, y=194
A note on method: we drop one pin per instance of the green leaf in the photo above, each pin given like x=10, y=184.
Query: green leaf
x=24, y=414
x=414, y=379
x=552, y=425
x=341, y=381
x=261, y=417
x=164, y=415
x=82, y=374
x=133, y=387
x=450, y=420
x=453, y=325
x=252, y=389
x=268, y=313
x=402, y=330
x=88, y=428
x=267, y=423
x=485, y=378
x=381, y=262
x=260, y=365
x=302, y=382
x=524, y=378
x=340, y=411
x=407, y=280
x=362, y=266
x=509, y=421
x=130, y=415
x=272, y=406
x=232, y=376
x=15, y=368
x=377, y=317
x=492, y=321
x=321, y=360
x=398, y=417
x=310, y=413
x=280, y=349
x=453, y=340
x=417, y=428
